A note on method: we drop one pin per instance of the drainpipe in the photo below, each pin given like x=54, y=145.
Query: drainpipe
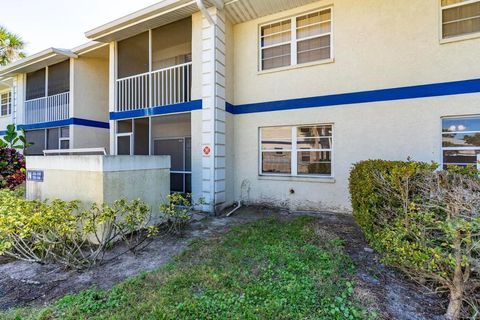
x=201, y=6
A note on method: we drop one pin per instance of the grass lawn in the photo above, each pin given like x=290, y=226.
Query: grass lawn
x=268, y=269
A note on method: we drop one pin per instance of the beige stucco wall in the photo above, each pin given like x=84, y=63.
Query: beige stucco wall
x=196, y=56
x=377, y=44
x=90, y=87
x=103, y=179
x=393, y=130
x=90, y=137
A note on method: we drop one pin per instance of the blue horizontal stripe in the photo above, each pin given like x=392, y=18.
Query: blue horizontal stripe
x=172, y=108
x=65, y=122
x=2, y=133
x=413, y=92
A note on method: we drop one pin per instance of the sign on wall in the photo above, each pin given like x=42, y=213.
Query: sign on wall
x=207, y=150
x=35, y=175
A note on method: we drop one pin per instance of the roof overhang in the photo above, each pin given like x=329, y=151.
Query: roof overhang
x=168, y=11
x=159, y=14
x=88, y=47
x=239, y=11
x=37, y=61
x=6, y=84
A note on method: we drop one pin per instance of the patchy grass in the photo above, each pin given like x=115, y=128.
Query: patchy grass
x=263, y=270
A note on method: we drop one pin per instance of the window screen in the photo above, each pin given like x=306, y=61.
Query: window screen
x=37, y=137
x=172, y=44
x=460, y=17
x=52, y=139
x=59, y=78
x=133, y=55
x=35, y=84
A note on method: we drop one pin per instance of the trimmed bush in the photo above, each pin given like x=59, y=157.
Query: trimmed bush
x=62, y=232
x=425, y=222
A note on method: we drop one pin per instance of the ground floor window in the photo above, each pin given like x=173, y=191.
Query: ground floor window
x=461, y=141
x=305, y=150
x=47, y=139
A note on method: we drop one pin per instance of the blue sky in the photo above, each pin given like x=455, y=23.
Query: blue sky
x=61, y=23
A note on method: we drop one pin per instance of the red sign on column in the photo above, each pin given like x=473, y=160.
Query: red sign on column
x=206, y=151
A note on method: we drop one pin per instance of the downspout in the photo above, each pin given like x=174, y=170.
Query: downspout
x=201, y=6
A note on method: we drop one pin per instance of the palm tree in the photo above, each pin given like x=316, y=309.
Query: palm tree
x=11, y=47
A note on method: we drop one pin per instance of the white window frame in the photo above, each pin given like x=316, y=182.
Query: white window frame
x=294, y=153
x=294, y=41
x=8, y=104
x=459, y=37
x=60, y=138
x=124, y=134
x=442, y=148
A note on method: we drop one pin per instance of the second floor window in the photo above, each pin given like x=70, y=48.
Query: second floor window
x=460, y=17
x=297, y=40
x=5, y=104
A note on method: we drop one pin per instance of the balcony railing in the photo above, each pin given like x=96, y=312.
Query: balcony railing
x=51, y=108
x=154, y=89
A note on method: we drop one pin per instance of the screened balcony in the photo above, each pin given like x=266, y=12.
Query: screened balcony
x=48, y=94
x=154, y=68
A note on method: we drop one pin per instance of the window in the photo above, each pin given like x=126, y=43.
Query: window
x=297, y=151
x=5, y=104
x=460, y=17
x=297, y=40
x=64, y=139
x=461, y=141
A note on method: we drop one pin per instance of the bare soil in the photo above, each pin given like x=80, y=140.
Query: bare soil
x=380, y=287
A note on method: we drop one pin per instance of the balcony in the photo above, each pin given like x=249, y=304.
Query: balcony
x=154, y=89
x=154, y=68
x=46, y=109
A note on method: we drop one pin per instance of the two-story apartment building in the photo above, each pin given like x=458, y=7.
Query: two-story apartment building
x=59, y=97
x=272, y=101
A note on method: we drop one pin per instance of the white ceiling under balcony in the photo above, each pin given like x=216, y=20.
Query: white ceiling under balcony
x=243, y=10
x=168, y=11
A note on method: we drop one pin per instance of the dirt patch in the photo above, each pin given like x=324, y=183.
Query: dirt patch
x=23, y=283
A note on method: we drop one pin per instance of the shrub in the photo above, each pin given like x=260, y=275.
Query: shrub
x=60, y=231
x=12, y=168
x=177, y=211
x=425, y=222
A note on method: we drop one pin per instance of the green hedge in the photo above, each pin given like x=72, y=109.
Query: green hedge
x=367, y=201
x=424, y=221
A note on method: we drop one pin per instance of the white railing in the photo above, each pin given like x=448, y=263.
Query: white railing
x=154, y=89
x=51, y=108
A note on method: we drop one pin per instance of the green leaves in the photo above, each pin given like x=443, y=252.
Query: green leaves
x=425, y=222
x=61, y=231
x=11, y=46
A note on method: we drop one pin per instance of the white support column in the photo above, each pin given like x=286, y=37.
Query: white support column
x=213, y=113
x=14, y=101
x=112, y=92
